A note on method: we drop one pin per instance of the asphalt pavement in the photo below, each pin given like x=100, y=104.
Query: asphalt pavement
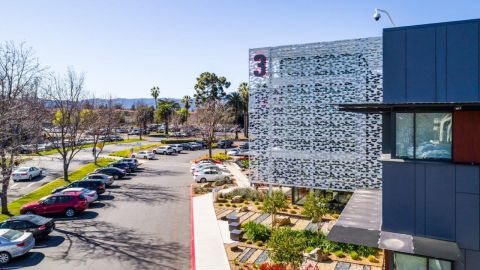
x=142, y=222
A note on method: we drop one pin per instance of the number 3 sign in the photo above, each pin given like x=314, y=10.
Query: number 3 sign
x=261, y=68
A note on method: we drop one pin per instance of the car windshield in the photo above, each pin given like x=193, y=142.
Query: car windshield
x=12, y=235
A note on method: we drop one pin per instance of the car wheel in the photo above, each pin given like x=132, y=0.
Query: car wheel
x=4, y=257
x=30, y=178
x=69, y=212
x=40, y=173
x=29, y=213
x=115, y=177
x=203, y=180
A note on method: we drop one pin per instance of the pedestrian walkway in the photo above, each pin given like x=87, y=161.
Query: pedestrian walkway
x=209, y=250
x=242, y=179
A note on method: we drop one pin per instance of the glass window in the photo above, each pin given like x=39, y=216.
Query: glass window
x=434, y=264
x=433, y=135
x=408, y=262
x=404, y=135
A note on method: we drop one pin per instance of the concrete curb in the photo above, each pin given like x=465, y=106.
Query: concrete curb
x=192, y=230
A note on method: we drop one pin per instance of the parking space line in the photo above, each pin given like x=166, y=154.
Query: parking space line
x=14, y=185
x=31, y=184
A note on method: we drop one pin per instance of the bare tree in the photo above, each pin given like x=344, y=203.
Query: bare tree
x=102, y=120
x=66, y=96
x=209, y=118
x=144, y=115
x=20, y=77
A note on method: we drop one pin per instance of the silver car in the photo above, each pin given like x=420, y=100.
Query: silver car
x=107, y=179
x=14, y=243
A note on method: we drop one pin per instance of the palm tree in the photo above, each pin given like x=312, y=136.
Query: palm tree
x=234, y=100
x=243, y=90
x=166, y=108
x=187, y=103
x=155, y=92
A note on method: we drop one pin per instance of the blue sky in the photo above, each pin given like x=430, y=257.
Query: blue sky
x=126, y=47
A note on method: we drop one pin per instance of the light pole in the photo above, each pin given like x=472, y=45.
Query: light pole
x=377, y=15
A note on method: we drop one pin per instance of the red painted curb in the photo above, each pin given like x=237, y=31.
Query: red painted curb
x=192, y=232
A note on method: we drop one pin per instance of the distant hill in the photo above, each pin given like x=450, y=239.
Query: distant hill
x=128, y=102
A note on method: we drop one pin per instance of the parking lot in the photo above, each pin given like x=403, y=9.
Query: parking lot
x=141, y=222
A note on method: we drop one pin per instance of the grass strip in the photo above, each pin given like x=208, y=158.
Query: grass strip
x=126, y=153
x=14, y=206
x=54, y=151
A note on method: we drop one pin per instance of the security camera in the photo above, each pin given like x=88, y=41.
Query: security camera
x=376, y=16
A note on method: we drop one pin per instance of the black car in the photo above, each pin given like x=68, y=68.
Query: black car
x=243, y=146
x=39, y=226
x=225, y=144
x=115, y=172
x=186, y=146
x=97, y=185
x=130, y=160
x=130, y=165
x=121, y=166
x=203, y=144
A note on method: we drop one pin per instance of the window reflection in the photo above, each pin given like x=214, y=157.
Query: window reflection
x=404, y=135
x=433, y=135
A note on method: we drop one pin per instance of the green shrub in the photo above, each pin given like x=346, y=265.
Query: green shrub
x=256, y=232
x=293, y=212
x=245, y=163
x=259, y=243
x=236, y=263
x=260, y=208
x=372, y=259
x=228, y=205
x=245, y=193
x=295, y=207
x=339, y=254
x=256, y=203
x=220, y=204
x=309, y=249
x=354, y=255
x=174, y=141
x=249, y=242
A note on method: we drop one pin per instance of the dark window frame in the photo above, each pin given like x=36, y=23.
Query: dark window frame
x=452, y=263
x=393, y=118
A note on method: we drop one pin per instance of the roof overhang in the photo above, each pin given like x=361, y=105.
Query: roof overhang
x=415, y=106
x=361, y=221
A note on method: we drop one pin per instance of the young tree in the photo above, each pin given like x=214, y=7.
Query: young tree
x=66, y=95
x=143, y=116
x=243, y=90
x=273, y=203
x=315, y=208
x=208, y=118
x=286, y=246
x=166, y=108
x=210, y=87
x=20, y=108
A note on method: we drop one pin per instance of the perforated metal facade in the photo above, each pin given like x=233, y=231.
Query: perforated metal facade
x=298, y=137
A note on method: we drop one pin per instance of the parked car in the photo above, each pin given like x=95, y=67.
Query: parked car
x=243, y=145
x=26, y=173
x=131, y=166
x=144, y=154
x=210, y=176
x=202, y=144
x=107, y=179
x=90, y=195
x=163, y=150
x=208, y=166
x=97, y=185
x=14, y=244
x=57, y=204
x=177, y=148
x=119, y=165
x=186, y=146
x=40, y=227
x=116, y=173
x=133, y=161
x=224, y=144
x=234, y=152
x=195, y=146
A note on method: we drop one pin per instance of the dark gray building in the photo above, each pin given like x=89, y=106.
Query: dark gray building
x=429, y=216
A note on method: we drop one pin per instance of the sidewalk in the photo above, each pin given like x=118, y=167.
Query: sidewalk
x=209, y=249
x=242, y=179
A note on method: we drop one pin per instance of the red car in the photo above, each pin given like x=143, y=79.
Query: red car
x=68, y=204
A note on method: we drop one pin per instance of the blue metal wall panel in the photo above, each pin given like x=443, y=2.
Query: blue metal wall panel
x=467, y=222
x=472, y=260
x=467, y=179
x=441, y=64
x=399, y=193
x=420, y=64
x=440, y=201
x=394, y=67
x=462, y=62
x=420, y=192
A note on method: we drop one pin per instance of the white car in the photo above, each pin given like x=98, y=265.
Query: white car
x=164, y=150
x=199, y=165
x=90, y=195
x=210, y=176
x=234, y=152
x=215, y=167
x=144, y=154
x=26, y=173
x=177, y=148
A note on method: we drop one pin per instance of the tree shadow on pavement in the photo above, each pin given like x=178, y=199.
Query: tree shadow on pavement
x=144, y=193
x=30, y=259
x=93, y=239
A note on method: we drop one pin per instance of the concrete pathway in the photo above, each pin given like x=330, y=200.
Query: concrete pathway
x=209, y=250
x=242, y=179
